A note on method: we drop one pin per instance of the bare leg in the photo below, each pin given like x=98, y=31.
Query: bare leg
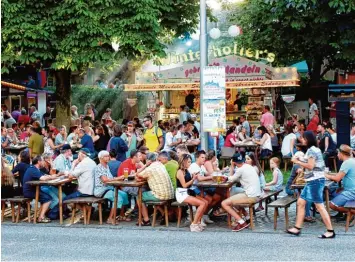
x=228, y=206
x=201, y=206
x=301, y=204
x=145, y=213
x=325, y=217
x=44, y=210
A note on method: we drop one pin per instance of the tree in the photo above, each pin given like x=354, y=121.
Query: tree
x=71, y=35
x=322, y=32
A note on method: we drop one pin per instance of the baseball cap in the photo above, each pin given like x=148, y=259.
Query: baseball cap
x=238, y=158
x=103, y=153
x=85, y=151
x=66, y=147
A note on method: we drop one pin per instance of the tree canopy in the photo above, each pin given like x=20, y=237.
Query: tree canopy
x=322, y=32
x=69, y=35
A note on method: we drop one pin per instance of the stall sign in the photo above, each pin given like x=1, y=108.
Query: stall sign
x=214, y=115
x=214, y=86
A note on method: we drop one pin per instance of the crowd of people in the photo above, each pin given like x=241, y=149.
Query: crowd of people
x=168, y=156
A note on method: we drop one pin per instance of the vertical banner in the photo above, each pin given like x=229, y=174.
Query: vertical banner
x=214, y=99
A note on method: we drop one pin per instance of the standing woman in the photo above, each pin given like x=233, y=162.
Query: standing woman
x=130, y=138
x=265, y=142
x=118, y=144
x=274, y=139
x=313, y=190
x=183, y=194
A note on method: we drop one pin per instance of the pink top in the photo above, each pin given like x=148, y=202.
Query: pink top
x=227, y=142
x=267, y=119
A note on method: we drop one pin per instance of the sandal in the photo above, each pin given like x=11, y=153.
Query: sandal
x=43, y=220
x=128, y=212
x=294, y=233
x=123, y=218
x=144, y=223
x=219, y=212
x=324, y=236
x=309, y=219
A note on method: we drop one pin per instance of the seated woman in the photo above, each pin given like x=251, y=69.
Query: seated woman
x=24, y=162
x=265, y=142
x=183, y=194
x=211, y=163
x=274, y=139
x=49, y=138
x=288, y=144
x=231, y=137
x=101, y=138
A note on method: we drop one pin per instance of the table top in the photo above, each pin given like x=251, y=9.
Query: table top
x=211, y=183
x=54, y=182
x=328, y=183
x=246, y=144
x=129, y=183
x=16, y=147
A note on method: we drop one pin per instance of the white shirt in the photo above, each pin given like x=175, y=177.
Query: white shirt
x=285, y=148
x=352, y=112
x=198, y=126
x=168, y=140
x=84, y=172
x=195, y=168
x=334, y=136
x=249, y=179
x=267, y=143
x=312, y=108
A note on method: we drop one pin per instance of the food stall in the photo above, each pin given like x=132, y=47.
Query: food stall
x=255, y=80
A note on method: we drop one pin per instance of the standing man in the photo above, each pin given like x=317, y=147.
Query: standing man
x=238, y=103
x=313, y=109
x=245, y=124
x=46, y=116
x=153, y=135
x=189, y=99
x=184, y=115
x=16, y=113
x=347, y=175
x=196, y=124
x=267, y=118
x=82, y=169
x=35, y=115
x=35, y=143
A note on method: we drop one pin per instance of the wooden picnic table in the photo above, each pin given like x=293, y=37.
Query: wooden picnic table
x=251, y=145
x=16, y=148
x=211, y=184
x=129, y=183
x=58, y=182
x=328, y=184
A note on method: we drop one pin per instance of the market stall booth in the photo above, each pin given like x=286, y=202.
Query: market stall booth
x=254, y=82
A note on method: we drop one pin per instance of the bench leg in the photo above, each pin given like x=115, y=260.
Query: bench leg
x=166, y=215
x=191, y=213
x=251, y=217
x=100, y=213
x=13, y=212
x=275, y=218
x=266, y=208
x=3, y=205
x=179, y=216
x=84, y=211
x=286, y=162
x=154, y=216
x=88, y=214
x=286, y=218
x=335, y=165
x=73, y=214
x=18, y=212
x=348, y=217
x=29, y=212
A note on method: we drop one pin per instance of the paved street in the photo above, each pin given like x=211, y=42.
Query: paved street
x=28, y=242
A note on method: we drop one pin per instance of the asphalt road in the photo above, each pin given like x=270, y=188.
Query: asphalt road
x=60, y=243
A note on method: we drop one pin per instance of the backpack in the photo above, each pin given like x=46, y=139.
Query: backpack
x=156, y=133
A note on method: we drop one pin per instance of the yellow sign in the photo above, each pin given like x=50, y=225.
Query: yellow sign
x=196, y=86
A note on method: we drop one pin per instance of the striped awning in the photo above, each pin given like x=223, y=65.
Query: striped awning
x=14, y=86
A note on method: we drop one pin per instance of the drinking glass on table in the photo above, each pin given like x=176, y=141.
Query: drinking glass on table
x=125, y=174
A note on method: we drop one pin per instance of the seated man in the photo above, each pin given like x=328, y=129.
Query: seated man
x=159, y=183
x=82, y=169
x=63, y=161
x=249, y=180
x=170, y=164
x=61, y=137
x=33, y=173
x=347, y=175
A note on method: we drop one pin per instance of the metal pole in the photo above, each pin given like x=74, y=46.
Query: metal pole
x=203, y=63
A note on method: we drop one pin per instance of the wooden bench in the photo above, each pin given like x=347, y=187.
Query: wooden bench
x=157, y=204
x=267, y=197
x=180, y=206
x=285, y=203
x=263, y=160
x=286, y=161
x=334, y=160
x=19, y=201
x=86, y=202
x=350, y=205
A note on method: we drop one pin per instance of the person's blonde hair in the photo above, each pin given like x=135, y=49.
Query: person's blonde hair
x=276, y=160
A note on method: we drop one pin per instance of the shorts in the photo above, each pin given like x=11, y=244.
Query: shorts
x=181, y=194
x=313, y=191
x=148, y=196
x=340, y=199
x=44, y=197
x=242, y=198
x=122, y=198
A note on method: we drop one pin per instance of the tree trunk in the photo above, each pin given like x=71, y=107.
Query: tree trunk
x=128, y=111
x=63, y=95
x=315, y=74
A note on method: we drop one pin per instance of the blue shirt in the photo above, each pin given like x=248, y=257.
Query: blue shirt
x=32, y=173
x=21, y=169
x=87, y=142
x=120, y=146
x=348, y=167
x=61, y=163
x=114, y=165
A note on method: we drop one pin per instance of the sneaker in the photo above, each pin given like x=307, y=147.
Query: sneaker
x=201, y=227
x=203, y=223
x=207, y=219
x=195, y=228
x=240, y=227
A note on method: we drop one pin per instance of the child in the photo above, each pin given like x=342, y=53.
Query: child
x=276, y=183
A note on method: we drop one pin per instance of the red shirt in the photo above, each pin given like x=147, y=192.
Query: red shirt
x=23, y=119
x=227, y=142
x=333, y=113
x=126, y=164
